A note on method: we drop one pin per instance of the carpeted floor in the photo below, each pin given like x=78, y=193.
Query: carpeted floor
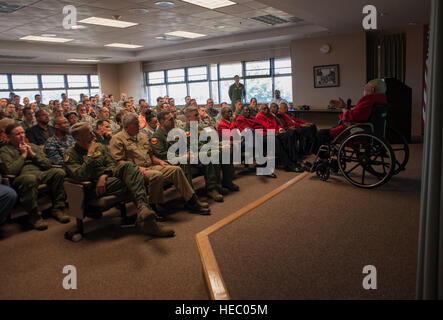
x=311, y=241
x=116, y=263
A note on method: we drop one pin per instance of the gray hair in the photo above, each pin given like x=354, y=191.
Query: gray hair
x=128, y=118
x=190, y=109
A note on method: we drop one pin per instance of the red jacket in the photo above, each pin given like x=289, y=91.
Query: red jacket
x=225, y=125
x=268, y=122
x=360, y=112
x=290, y=120
x=242, y=123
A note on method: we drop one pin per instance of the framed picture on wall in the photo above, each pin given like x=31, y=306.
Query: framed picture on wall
x=326, y=76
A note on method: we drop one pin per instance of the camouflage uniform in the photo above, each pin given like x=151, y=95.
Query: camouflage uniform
x=30, y=173
x=56, y=148
x=138, y=150
x=160, y=146
x=208, y=122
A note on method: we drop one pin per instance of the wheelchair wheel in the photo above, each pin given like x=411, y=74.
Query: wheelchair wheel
x=366, y=161
x=401, y=149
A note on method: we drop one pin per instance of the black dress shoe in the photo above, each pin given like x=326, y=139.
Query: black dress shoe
x=232, y=187
x=272, y=175
x=195, y=208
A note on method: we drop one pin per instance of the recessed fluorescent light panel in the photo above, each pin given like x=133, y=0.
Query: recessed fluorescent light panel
x=83, y=60
x=165, y=4
x=45, y=39
x=108, y=22
x=123, y=45
x=78, y=27
x=211, y=4
x=185, y=34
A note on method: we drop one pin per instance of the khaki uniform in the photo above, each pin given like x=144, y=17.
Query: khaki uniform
x=30, y=173
x=138, y=150
x=160, y=146
x=122, y=178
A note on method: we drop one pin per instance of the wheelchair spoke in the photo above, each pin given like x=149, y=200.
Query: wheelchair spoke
x=352, y=169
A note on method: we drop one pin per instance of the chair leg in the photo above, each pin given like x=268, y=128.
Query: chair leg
x=80, y=226
x=122, y=207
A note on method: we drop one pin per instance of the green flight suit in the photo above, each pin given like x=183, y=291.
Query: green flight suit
x=236, y=93
x=160, y=146
x=30, y=173
x=227, y=170
x=122, y=178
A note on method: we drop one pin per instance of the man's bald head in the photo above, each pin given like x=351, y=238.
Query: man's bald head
x=375, y=86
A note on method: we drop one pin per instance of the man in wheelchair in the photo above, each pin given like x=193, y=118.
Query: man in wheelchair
x=374, y=93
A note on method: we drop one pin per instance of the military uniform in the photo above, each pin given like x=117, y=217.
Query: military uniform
x=212, y=112
x=122, y=178
x=56, y=148
x=138, y=150
x=208, y=122
x=236, y=92
x=160, y=146
x=30, y=173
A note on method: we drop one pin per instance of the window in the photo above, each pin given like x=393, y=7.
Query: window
x=259, y=88
x=50, y=87
x=199, y=91
x=156, y=77
x=197, y=73
x=95, y=81
x=229, y=71
x=284, y=84
x=258, y=68
x=93, y=92
x=178, y=92
x=260, y=78
x=224, y=91
x=155, y=92
x=75, y=94
x=78, y=81
x=4, y=82
x=53, y=81
x=28, y=94
x=282, y=66
x=24, y=81
x=52, y=95
x=176, y=75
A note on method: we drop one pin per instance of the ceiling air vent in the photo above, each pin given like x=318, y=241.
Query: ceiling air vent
x=9, y=8
x=295, y=19
x=16, y=57
x=270, y=19
x=211, y=50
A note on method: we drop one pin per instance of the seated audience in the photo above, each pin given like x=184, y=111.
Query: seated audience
x=177, y=122
x=205, y=120
x=253, y=107
x=210, y=110
x=28, y=119
x=31, y=167
x=130, y=145
x=90, y=161
x=41, y=132
x=83, y=115
x=56, y=146
x=151, y=124
x=104, y=114
x=102, y=132
x=8, y=198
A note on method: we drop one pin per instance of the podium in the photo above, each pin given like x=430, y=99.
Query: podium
x=400, y=108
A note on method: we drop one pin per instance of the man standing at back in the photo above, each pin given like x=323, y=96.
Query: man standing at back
x=236, y=92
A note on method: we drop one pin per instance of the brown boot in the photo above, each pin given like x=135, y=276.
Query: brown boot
x=214, y=194
x=152, y=228
x=144, y=213
x=35, y=219
x=60, y=216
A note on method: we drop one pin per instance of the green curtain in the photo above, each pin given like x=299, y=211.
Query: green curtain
x=386, y=56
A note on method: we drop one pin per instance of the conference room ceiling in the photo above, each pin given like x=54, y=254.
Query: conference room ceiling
x=227, y=27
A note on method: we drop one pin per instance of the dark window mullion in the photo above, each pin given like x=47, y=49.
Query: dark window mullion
x=11, y=87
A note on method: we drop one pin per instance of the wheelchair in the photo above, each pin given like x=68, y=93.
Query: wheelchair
x=363, y=152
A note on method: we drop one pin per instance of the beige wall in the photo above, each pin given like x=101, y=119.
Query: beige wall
x=414, y=75
x=130, y=76
x=109, y=79
x=124, y=77
x=349, y=51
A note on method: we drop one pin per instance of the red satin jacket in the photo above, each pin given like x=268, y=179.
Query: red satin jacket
x=225, y=125
x=290, y=120
x=359, y=113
